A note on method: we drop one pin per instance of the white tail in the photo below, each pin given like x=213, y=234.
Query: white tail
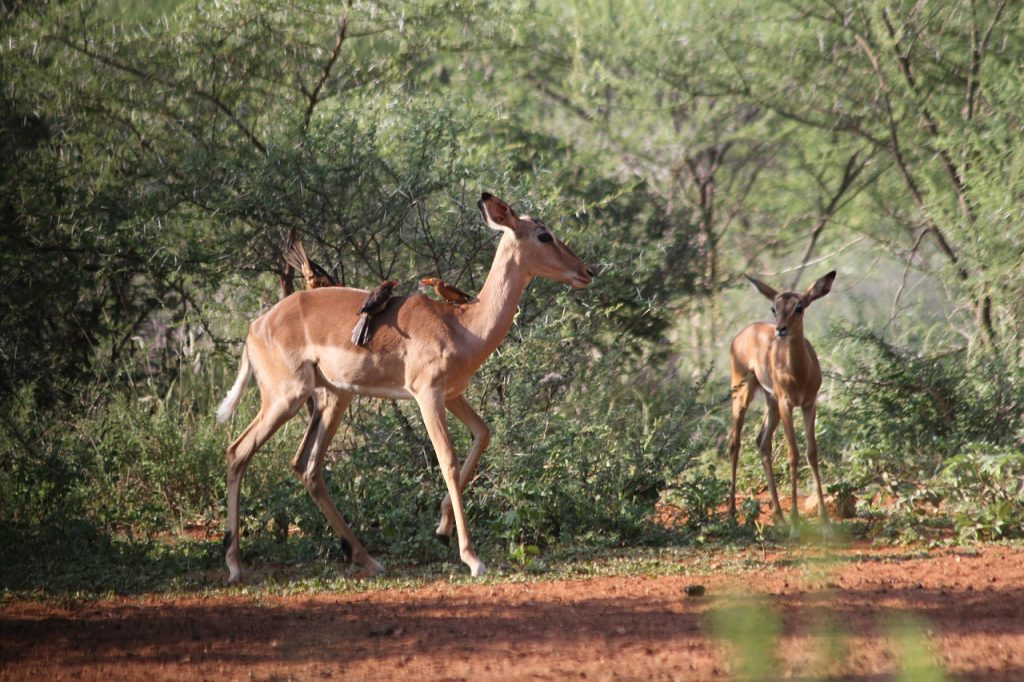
x=234, y=396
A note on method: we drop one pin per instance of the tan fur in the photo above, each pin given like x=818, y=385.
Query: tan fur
x=420, y=349
x=779, y=362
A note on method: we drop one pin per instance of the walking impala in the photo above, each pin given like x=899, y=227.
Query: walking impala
x=778, y=361
x=421, y=349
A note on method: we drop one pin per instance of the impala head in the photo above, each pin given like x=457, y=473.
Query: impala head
x=788, y=307
x=543, y=254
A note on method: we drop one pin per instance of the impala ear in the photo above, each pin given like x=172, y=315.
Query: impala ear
x=820, y=288
x=497, y=214
x=765, y=290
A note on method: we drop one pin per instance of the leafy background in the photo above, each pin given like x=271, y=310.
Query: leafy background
x=156, y=155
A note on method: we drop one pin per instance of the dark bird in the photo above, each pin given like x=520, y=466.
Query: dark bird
x=314, y=275
x=449, y=292
x=375, y=302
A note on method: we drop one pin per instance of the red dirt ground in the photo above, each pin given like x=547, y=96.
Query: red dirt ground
x=969, y=604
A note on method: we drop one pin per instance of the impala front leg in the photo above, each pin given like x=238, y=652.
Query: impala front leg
x=786, y=413
x=433, y=410
x=465, y=413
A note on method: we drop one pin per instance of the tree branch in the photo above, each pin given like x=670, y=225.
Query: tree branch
x=983, y=307
x=142, y=75
x=896, y=149
x=978, y=49
x=314, y=96
x=903, y=281
x=850, y=173
x=906, y=68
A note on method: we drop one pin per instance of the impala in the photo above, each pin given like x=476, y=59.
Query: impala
x=421, y=349
x=779, y=362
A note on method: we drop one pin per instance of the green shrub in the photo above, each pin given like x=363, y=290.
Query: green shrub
x=40, y=471
x=984, y=492
x=904, y=413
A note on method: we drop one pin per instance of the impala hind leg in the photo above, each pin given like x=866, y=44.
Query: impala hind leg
x=465, y=413
x=812, y=459
x=764, y=447
x=432, y=408
x=744, y=389
x=308, y=463
x=272, y=415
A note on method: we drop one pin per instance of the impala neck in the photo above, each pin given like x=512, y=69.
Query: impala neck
x=794, y=349
x=489, y=318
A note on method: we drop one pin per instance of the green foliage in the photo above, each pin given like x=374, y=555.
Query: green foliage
x=752, y=631
x=526, y=558
x=155, y=157
x=917, y=655
x=984, y=491
x=152, y=469
x=131, y=465
x=904, y=413
x=80, y=559
x=938, y=436
x=702, y=492
x=37, y=474
x=591, y=462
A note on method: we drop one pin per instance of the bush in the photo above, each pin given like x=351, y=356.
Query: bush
x=938, y=436
x=984, y=493
x=904, y=413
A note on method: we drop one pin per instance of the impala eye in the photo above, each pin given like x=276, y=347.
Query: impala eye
x=799, y=309
x=545, y=237
x=773, y=310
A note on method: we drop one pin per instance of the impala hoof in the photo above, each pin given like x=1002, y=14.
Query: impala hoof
x=445, y=540
x=478, y=570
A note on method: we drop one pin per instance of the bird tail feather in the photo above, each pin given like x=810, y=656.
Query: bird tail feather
x=296, y=256
x=361, y=332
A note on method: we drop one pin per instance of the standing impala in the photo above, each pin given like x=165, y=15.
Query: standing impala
x=421, y=349
x=780, y=362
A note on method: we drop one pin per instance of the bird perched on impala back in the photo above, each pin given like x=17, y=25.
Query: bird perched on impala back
x=314, y=275
x=375, y=302
x=448, y=292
